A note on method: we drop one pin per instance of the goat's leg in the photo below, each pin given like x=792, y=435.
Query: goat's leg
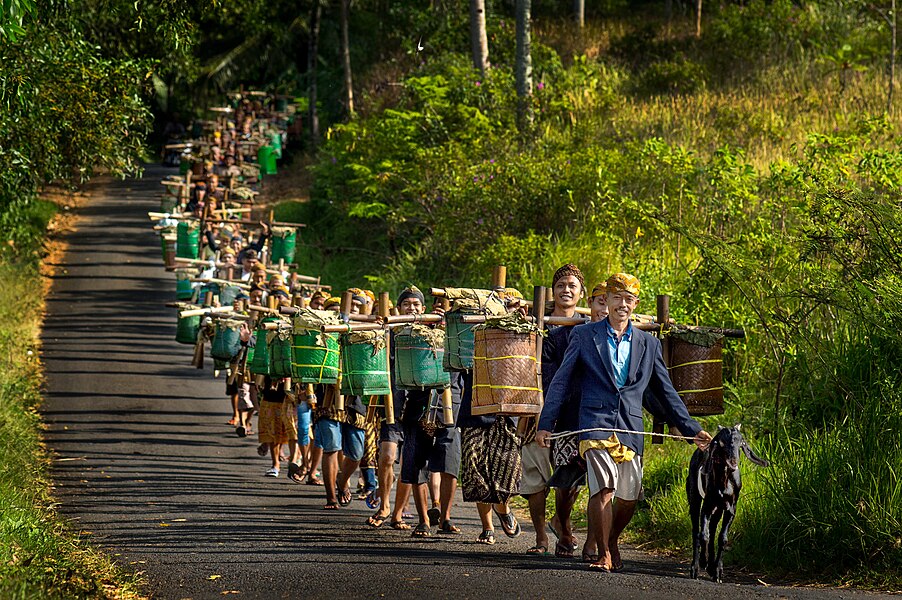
x=695, y=507
x=728, y=516
x=703, y=532
x=712, y=539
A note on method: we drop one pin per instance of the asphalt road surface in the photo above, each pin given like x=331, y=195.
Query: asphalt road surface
x=147, y=464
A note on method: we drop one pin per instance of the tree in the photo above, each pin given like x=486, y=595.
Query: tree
x=346, y=57
x=523, y=65
x=479, y=41
x=579, y=12
x=312, y=59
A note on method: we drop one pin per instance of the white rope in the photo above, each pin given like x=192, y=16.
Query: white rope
x=562, y=434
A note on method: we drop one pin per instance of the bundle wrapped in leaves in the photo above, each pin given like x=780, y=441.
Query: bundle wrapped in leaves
x=514, y=322
x=475, y=301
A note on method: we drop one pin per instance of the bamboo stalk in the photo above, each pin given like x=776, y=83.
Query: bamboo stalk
x=447, y=408
x=384, y=308
x=221, y=281
x=197, y=312
x=404, y=319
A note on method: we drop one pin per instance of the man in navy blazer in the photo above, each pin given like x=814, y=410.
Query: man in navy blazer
x=614, y=364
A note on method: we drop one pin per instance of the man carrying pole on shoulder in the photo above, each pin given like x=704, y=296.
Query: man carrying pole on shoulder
x=614, y=364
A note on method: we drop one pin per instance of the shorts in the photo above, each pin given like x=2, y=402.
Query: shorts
x=333, y=436
x=304, y=414
x=536, y=464
x=391, y=433
x=247, y=397
x=624, y=478
x=424, y=454
x=231, y=388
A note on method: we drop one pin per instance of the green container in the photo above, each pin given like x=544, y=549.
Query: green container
x=183, y=288
x=260, y=363
x=184, y=166
x=280, y=355
x=187, y=240
x=276, y=142
x=459, y=342
x=266, y=158
x=419, y=360
x=226, y=340
x=187, y=329
x=364, y=369
x=250, y=355
x=284, y=241
x=227, y=294
x=312, y=362
x=202, y=291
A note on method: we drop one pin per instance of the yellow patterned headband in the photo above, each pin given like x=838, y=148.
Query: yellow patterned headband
x=622, y=282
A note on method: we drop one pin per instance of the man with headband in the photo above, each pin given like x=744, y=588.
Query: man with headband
x=615, y=364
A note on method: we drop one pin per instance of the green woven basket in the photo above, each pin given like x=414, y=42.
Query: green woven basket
x=186, y=330
x=284, y=241
x=227, y=340
x=364, y=369
x=313, y=362
x=187, y=240
x=419, y=354
x=459, y=342
x=279, y=347
x=260, y=363
x=183, y=288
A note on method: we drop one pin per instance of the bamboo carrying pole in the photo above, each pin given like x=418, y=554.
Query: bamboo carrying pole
x=384, y=308
x=447, y=407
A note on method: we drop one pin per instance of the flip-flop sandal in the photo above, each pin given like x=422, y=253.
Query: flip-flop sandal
x=232, y=422
x=449, y=528
x=241, y=431
x=600, y=567
x=314, y=481
x=421, y=531
x=538, y=549
x=407, y=515
x=344, y=498
x=508, y=523
x=590, y=558
x=400, y=525
x=562, y=550
x=434, y=515
x=486, y=537
x=296, y=477
x=617, y=568
x=376, y=521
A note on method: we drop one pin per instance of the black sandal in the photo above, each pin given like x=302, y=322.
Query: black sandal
x=449, y=528
x=508, y=523
x=344, y=498
x=486, y=537
x=421, y=531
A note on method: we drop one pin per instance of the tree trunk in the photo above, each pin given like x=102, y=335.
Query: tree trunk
x=523, y=66
x=698, y=18
x=346, y=57
x=479, y=41
x=892, y=59
x=579, y=12
x=312, y=56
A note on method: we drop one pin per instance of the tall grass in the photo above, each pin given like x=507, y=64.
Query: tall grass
x=40, y=557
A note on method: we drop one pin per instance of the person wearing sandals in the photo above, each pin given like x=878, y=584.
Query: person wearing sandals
x=568, y=288
x=490, y=464
x=428, y=449
x=614, y=365
x=277, y=423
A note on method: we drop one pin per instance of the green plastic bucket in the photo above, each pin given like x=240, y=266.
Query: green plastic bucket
x=419, y=354
x=184, y=166
x=187, y=329
x=276, y=143
x=459, y=342
x=364, y=369
x=227, y=340
x=187, y=240
x=266, y=158
x=284, y=241
x=279, y=349
x=311, y=360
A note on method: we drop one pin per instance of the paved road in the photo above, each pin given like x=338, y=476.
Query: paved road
x=150, y=468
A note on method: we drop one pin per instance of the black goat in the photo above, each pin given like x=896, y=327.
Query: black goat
x=713, y=487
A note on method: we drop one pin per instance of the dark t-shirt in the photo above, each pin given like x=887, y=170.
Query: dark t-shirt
x=553, y=349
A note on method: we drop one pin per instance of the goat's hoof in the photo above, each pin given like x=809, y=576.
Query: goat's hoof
x=693, y=572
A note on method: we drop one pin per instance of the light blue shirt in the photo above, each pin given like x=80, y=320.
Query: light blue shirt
x=619, y=352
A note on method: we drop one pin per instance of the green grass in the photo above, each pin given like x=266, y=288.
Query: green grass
x=40, y=556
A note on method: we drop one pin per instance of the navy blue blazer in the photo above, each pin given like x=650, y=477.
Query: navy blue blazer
x=587, y=367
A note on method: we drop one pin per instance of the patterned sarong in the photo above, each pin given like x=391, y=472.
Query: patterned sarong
x=490, y=470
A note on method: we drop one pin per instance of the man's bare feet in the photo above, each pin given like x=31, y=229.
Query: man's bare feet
x=616, y=560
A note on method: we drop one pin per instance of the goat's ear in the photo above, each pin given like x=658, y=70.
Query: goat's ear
x=738, y=426
x=719, y=427
x=754, y=457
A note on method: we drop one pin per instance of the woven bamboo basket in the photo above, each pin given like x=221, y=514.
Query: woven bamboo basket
x=314, y=357
x=278, y=344
x=364, y=368
x=227, y=340
x=419, y=354
x=505, y=374
x=697, y=374
x=259, y=365
x=458, y=342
